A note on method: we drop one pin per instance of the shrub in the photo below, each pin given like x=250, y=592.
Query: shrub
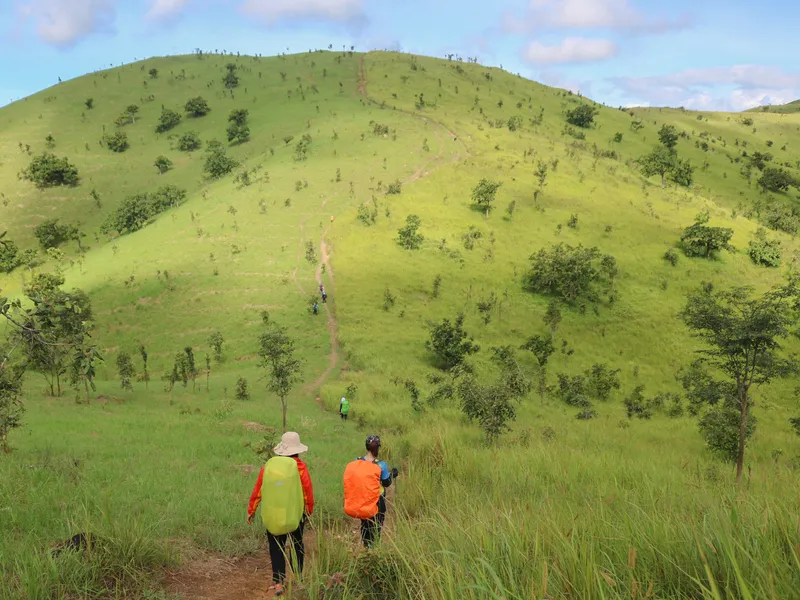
x=47, y=170
x=567, y=272
x=163, y=164
x=582, y=115
x=136, y=211
x=776, y=180
x=189, y=142
x=52, y=234
x=408, y=236
x=394, y=188
x=218, y=163
x=117, y=142
x=197, y=107
x=242, y=393
x=671, y=256
x=168, y=120
x=764, y=252
x=9, y=256
x=450, y=343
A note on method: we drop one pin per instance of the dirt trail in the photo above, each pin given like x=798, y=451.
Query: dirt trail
x=247, y=578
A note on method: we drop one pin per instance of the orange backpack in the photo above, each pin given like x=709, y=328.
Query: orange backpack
x=362, y=489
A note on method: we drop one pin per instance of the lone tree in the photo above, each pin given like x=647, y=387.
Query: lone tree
x=238, y=129
x=484, y=193
x=217, y=162
x=450, y=343
x=741, y=335
x=701, y=240
x=276, y=350
x=215, y=340
x=145, y=373
x=572, y=274
x=668, y=136
x=89, y=103
x=47, y=170
x=153, y=73
x=189, y=142
x=776, y=180
x=197, y=107
x=118, y=142
x=126, y=371
x=582, y=115
x=230, y=79
x=168, y=120
x=163, y=164
x=408, y=236
x=659, y=162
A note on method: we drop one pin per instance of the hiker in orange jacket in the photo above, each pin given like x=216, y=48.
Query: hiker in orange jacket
x=371, y=528
x=290, y=446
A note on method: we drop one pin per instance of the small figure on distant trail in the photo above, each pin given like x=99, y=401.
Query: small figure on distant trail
x=324, y=297
x=344, y=408
x=315, y=308
x=284, y=490
x=365, y=482
x=321, y=289
x=331, y=218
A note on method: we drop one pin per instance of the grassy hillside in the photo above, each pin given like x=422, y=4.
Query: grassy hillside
x=788, y=108
x=559, y=507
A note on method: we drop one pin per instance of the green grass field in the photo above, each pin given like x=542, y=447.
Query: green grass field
x=558, y=508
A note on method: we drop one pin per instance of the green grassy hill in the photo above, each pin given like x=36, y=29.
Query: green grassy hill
x=788, y=108
x=558, y=507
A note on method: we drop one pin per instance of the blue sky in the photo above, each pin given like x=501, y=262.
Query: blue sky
x=701, y=54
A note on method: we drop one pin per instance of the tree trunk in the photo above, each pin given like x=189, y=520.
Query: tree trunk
x=86, y=386
x=283, y=407
x=663, y=175
x=743, y=408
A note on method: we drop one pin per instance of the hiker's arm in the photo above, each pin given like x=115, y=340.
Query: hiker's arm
x=308, y=491
x=255, y=497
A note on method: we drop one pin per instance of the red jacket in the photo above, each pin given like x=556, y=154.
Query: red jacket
x=305, y=479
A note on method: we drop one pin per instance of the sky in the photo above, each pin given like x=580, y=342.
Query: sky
x=700, y=54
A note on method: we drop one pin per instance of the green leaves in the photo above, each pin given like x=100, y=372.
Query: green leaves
x=47, y=170
x=570, y=273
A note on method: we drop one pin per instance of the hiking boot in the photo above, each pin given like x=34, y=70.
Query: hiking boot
x=278, y=589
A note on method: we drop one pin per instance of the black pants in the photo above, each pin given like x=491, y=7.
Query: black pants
x=344, y=416
x=278, y=553
x=371, y=528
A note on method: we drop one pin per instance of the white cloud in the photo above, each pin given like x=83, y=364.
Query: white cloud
x=165, y=10
x=571, y=50
x=718, y=88
x=590, y=14
x=63, y=23
x=342, y=11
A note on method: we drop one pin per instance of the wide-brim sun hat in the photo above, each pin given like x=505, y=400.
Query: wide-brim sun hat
x=290, y=444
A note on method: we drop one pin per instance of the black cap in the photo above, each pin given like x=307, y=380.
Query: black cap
x=373, y=439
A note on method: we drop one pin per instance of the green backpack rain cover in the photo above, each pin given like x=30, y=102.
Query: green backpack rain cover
x=281, y=496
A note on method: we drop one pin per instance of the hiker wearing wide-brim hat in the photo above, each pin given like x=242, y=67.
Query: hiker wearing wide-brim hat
x=286, y=495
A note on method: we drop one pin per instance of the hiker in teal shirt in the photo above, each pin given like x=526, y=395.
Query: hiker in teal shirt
x=344, y=408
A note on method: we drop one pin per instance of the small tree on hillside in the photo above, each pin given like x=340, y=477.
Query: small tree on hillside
x=552, y=317
x=776, y=180
x=11, y=407
x=484, y=193
x=408, y=236
x=191, y=366
x=701, y=240
x=10, y=258
x=566, y=272
x=659, y=162
x=668, y=136
x=163, y=164
x=450, y=343
x=218, y=163
x=145, y=373
x=168, y=120
x=582, y=115
x=52, y=234
x=132, y=111
x=89, y=103
x=276, y=350
x=153, y=73
x=118, y=142
x=126, y=370
x=197, y=107
x=47, y=170
x=215, y=340
x=189, y=141
x=742, y=337
x=238, y=129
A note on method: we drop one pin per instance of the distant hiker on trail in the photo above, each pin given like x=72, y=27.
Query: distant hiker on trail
x=365, y=482
x=284, y=491
x=324, y=297
x=344, y=408
x=315, y=308
x=321, y=289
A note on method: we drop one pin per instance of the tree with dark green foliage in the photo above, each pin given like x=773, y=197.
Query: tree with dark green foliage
x=135, y=211
x=450, y=343
x=484, y=193
x=83, y=369
x=668, y=136
x=89, y=103
x=703, y=241
x=636, y=405
x=763, y=251
x=52, y=234
x=168, y=120
x=242, y=393
x=776, y=180
x=132, y=110
x=189, y=141
x=230, y=79
x=197, y=107
x=217, y=162
x=191, y=366
x=741, y=335
x=47, y=170
x=276, y=350
x=582, y=115
x=163, y=164
x=682, y=172
x=50, y=141
x=569, y=273
x=145, y=372
x=126, y=370
x=542, y=348
x=238, y=129
x=11, y=407
x=659, y=162
x=118, y=142
x=153, y=73
x=408, y=236
x=10, y=257
x=552, y=317
x=601, y=381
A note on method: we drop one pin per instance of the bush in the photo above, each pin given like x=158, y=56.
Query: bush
x=163, y=164
x=197, y=107
x=408, y=236
x=47, y=170
x=242, y=393
x=117, y=142
x=582, y=115
x=720, y=429
x=189, y=142
x=51, y=234
x=567, y=272
x=671, y=256
x=394, y=188
x=9, y=256
x=450, y=343
x=776, y=180
x=764, y=252
x=168, y=120
x=136, y=211
x=218, y=163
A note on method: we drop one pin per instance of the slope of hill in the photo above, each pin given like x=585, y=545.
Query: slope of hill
x=603, y=507
x=788, y=108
